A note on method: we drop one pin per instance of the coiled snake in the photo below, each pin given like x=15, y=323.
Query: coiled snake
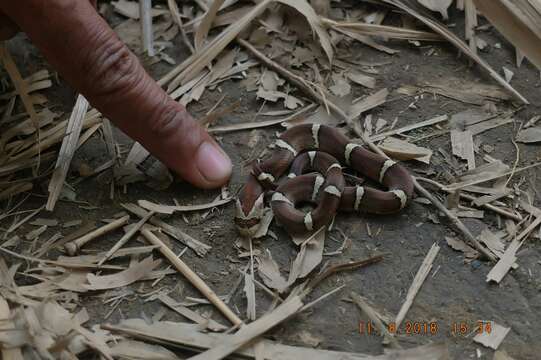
x=321, y=149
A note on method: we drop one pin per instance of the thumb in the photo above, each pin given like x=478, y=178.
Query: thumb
x=89, y=55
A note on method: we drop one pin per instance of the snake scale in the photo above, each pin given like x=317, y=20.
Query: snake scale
x=314, y=155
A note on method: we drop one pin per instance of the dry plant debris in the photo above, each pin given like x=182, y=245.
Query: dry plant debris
x=293, y=58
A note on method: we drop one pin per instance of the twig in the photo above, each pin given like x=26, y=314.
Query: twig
x=145, y=12
x=463, y=184
x=259, y=124
x=21, y=87
x=300, y=82
x=472, y=198
x=338, y=268
x=249, y=332
x=200, y=248
x=15, y=226
x=456, y=41
x=517, y=159
x=296, y=80
x=192, y=277
x=190, y=314
x=125, y=238
x=321, y=298
x=418, y=281
x=524, y=234
x=73, y=247
x=267, y=290
x=455, y=221
x=433, y=121
x=375, y=318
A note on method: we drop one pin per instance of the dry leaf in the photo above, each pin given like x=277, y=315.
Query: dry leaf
x=505, y=263
x=270, y=80
x=269, y=271
x=368, y=103
x=290, y=101
x=462, y=146
x=135, y=272
x=529, y=135
x=308, y=12
x=519, y=21
x=309, y=256
x=188, y=336
x=456, y=41
x=361, y=79
x=403, y=150
x=137, y=350
x=492, y=241
x=341, y=86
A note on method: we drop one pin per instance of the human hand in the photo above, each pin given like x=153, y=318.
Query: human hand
x=82, y=47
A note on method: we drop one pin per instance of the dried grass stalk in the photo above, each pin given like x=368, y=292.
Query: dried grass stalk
x=67, y=150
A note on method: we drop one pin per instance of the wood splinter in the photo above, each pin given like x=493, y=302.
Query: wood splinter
x=74, y=246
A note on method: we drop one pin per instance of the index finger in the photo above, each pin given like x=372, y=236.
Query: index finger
x=89, y=55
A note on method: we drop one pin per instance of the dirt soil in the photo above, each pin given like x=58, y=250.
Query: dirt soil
x=455, y=292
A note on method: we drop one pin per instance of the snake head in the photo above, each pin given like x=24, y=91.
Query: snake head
x=249, y=224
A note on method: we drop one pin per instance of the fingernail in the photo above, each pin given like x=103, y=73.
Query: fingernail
x=213, y=163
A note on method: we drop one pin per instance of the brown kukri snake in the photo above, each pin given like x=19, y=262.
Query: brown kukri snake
x=320, y=150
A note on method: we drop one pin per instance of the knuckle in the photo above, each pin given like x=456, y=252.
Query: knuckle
x=113, y=68
x=169, y=120
x=165, y=121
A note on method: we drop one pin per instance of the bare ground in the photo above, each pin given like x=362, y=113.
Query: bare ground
x=455, y=292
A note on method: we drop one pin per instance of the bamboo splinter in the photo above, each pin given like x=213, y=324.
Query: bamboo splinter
x=194, y=279
x=73, y=247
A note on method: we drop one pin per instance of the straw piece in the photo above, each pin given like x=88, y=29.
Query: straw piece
x=192, y=277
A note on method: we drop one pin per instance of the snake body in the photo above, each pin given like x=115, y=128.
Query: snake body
x=322, y=149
